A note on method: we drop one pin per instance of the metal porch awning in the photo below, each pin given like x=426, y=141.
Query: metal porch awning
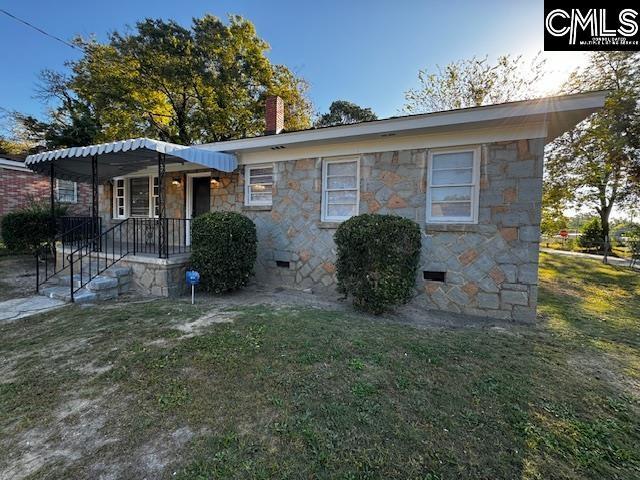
x=123, y=157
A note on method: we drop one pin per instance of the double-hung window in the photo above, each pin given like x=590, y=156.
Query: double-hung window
x=340, y=189
x=258, y=185
x=453, y=185
x=135, y=197
x=66, y=191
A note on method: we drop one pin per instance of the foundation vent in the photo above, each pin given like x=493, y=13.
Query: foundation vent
x=434, y=276
x=282, y=264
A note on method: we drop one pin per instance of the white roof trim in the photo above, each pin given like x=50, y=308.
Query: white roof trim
x=415, y=123
x=206, y=157
x=13, y=165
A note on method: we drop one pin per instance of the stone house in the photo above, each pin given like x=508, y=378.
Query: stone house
x=471, y=178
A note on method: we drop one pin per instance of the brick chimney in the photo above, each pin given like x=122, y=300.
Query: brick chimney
x=274, y=115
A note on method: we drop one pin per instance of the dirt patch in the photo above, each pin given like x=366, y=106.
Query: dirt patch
x=603, y=367
x=75, y=435
x=17, y=276
x=194, y=328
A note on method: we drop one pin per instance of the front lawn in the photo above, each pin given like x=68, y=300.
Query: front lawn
x=167, y=390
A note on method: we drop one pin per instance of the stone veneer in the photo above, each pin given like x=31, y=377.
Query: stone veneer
x=491, y=267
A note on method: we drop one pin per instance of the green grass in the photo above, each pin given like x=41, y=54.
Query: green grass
x=309, y=393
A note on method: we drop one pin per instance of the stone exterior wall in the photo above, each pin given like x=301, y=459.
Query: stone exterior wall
x=491, y=267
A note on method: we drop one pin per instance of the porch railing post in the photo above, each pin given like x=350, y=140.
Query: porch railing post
x=163, y=251
x=94, y=200
x=52, y=212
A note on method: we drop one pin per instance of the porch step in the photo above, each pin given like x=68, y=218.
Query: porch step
x=106, y=286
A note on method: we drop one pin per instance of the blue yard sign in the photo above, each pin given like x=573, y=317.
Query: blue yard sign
x=193, y=279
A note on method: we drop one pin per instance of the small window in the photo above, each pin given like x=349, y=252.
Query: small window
x=340, y=189
x=66, y=191
x=119, y=198
x=453, y=186
x=258, y=185
x=154, y=198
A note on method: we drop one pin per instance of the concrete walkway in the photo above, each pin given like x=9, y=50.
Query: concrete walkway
x=16, y=308
x=619, y=262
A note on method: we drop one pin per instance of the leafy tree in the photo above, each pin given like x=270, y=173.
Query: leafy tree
x=591, y=235
x=342, y=112
x=204, y=83
x=595, y=162
x=473, y=82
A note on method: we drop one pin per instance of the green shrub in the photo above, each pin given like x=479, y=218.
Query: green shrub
x=377, y=260
x=591, y=236
x=26, y=229
x=223, y=250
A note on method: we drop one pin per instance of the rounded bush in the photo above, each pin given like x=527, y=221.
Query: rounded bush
x=377, y=260
x=25, y=231
x=223, y=250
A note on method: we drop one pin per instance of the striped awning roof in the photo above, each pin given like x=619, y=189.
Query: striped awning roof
x=124, y=157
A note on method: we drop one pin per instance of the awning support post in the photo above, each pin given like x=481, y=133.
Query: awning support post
x=52, y=201
x=94, y=200
x=163, y=248
x=52, y=212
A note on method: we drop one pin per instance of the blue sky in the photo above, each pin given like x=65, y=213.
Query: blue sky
x=368, y=52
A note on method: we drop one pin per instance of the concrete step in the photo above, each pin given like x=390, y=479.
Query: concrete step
x=106, y=286
x=63, y=293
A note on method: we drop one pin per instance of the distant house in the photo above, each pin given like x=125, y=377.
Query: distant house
x=19, y=187
x=471, y=178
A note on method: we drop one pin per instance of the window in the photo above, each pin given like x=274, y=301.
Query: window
x=119, y=209
x=135, y=197
x=66, y=191
x=340, y=189
x=139, y=197
x=154, y=198
x=453, y=186
x=259, y=185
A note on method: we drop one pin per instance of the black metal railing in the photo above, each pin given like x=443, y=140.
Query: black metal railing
x=86, y=251
x=87, y=261
x=133, y=236
x=71, y=232
x=145, y=236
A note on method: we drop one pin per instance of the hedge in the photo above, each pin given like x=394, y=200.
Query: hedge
x=377, y=260
x=223, y=250
x=25, y=230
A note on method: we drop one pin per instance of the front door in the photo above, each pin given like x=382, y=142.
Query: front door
x=198, y=198
x=201, y=196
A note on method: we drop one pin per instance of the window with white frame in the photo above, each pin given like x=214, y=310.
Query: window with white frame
x=258, y=185
x=154, y=197
x=340, y=189
x=66, y=191
x=453, y=185
x=135, y=197
x=119, y=198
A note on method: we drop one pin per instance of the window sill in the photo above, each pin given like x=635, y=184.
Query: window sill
x=329, y=225
x=257, y=208
x=459, y=227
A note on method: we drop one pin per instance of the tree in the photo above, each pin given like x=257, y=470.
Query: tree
x=474, y=82
x=342, y=112
x=596, y=161
x=205, y=83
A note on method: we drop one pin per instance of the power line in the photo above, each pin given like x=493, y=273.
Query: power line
x=39, y=29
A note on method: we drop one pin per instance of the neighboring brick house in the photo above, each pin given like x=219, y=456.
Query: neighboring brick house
x=19, y=187
x=471, y=178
